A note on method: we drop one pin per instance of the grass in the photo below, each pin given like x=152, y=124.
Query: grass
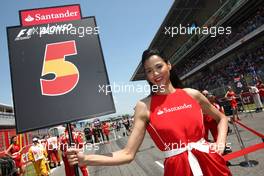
x=30, y=171
x=250, y=107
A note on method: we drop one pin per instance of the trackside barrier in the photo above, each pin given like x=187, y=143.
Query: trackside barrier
x=251, y=130
x=245, y=150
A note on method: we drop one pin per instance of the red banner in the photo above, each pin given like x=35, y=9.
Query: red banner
x=247, y=98
x=50, y=15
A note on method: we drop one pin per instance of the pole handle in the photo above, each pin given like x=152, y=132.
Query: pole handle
x=71, y=142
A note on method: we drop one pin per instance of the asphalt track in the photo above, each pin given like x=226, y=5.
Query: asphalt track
x=148, y=161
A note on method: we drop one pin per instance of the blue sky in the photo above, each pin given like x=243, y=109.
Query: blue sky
x=126, y=29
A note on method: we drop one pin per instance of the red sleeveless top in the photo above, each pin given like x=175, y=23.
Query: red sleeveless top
x=176, y=119
x=16, y=156
x=15, y=148
x=233, y=102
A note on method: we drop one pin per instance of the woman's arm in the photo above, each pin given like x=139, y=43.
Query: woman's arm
x=7, y=152
x=226, y=94
x=123, y=156
x=209, y=109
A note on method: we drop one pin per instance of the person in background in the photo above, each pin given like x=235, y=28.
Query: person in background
x=52, y=148
x=98, y=130
x=231, y=97
x=255, y=94
x=260, y=87
x=64, y=144
x=118, y=125
x=209, y=123
x=37, y=154
x=126, y=124
x=88, y=133
x=14, y=152
x=106, y=130
x=205, y=93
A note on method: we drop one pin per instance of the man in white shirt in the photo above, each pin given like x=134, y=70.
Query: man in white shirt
x=255, y=93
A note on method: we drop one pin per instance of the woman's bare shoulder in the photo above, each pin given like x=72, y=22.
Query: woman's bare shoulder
x=197, y=95
x=193, y=93
x=143, y=103
x=142, y=107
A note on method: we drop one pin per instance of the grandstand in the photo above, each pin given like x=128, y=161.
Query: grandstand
x=206, y=62
x=8, y=129
x=7, y=119
x=7, y=125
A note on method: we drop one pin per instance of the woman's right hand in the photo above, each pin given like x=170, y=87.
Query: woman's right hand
x=76, y=156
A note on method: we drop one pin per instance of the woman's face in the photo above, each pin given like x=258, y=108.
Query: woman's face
x=157, y=71
x=211, y=99
x=14, y=140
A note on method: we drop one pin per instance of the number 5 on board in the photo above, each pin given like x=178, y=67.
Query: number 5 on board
x=66, y=73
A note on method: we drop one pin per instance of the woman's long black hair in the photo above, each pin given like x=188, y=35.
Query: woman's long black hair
x=12, y=140
x=175, y=81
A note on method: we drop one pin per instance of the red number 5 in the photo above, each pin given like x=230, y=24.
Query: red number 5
x=66, y=73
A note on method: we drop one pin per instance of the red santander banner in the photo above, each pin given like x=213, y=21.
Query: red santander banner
x=50, y=15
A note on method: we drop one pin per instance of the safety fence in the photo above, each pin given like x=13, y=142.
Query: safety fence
x=246, y=150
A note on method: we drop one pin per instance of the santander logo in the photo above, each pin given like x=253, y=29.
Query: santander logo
x=173, y=109
x=29, y=18
x=41, y=17
x=50, y=15
x=160, y=112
